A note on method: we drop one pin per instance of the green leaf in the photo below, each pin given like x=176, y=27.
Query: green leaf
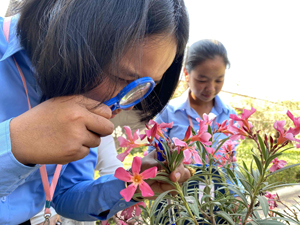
x=174, y=156
x=258, y=164
x=163, y=166
x=240, y=194
x=269, y=222
x=192, y=202
x=220, y=145
x=178, y=160
x=256, y=214
x=157, y=201
x=245, y=166
x=277, y=186
x=244, y=182
x=225, y=216
x=163, y=178
x=284, y=168
x=262, y=147
x=209, y=130
x=264, y=204
x=286, y=219
x=231, y=174
x=166, y=150
x=255, y=176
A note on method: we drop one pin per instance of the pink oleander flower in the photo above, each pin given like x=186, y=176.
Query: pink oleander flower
x=136, y=179
x=227, y=152
x=244, y=117
x=271, y=200
x=237, y=133
x=128, y=212
x=277, y=164
x=156, y=131
x=202, y=135
x=129, y=144
x=222, y=128
x=283, y=135
x=210, y=150
x=296, y=120
x=228, y=147
x=208, y=119
x=189, y=152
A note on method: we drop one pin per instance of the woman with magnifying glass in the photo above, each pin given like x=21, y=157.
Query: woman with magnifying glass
x=60, y=60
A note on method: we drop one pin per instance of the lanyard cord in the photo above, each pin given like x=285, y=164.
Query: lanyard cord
x=49, y=191
x=190, y=121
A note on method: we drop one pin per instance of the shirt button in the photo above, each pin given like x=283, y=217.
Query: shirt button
x=122, y=205
x=3, y=199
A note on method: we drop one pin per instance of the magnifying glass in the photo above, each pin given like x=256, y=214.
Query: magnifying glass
x=132, y=94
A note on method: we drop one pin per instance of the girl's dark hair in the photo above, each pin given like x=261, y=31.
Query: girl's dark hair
x=203, y=50
x=74, y=44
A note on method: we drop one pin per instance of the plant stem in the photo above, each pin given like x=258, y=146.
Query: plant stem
x=178, y=188
x=250, y=209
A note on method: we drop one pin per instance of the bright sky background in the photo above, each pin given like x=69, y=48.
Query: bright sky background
x=262, y=38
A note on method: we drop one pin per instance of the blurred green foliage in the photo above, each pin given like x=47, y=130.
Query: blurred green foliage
x=291, y=156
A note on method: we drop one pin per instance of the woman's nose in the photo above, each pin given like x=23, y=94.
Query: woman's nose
x=210, y=87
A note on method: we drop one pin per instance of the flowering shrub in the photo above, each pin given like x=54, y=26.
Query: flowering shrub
x=219, y=191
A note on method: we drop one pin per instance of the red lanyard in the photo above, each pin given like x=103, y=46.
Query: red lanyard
x=190, y=120
x=49, y=191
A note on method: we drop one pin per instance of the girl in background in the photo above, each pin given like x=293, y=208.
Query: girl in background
x=204, y=71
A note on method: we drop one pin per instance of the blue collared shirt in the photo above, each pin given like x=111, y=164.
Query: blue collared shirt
x=77, y=194
x=179, y=109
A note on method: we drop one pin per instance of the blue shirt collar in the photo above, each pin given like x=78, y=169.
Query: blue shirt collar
x=183, y=103
x=14, y=42
x=220, y=106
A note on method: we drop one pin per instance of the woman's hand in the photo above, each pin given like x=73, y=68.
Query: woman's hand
x=180, y=174
x=59, y=130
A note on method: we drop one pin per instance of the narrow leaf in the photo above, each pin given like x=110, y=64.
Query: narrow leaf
x=258, y=164
x=225, y=216
x=264, y=204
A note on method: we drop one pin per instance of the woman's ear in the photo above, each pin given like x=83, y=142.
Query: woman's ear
x=186, y=75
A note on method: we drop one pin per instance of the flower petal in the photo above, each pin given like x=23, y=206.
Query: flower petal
x=142, y=136
x=122, y=174
x=128, y=192
x=187, y=133
x=146, y=190
x=149, y=173
x=136, y=165
x=137, y=208
x=178, y=142
x=128, y=132
x=123, y=155
x=187, y=155
x=123, y=142
x=197, y=157
x=136, y=135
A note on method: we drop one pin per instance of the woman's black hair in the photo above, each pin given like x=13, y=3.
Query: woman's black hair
x=203, y=50
x=74, y=44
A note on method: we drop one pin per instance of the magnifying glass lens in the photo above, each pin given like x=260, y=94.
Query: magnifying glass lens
x=135, y=94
